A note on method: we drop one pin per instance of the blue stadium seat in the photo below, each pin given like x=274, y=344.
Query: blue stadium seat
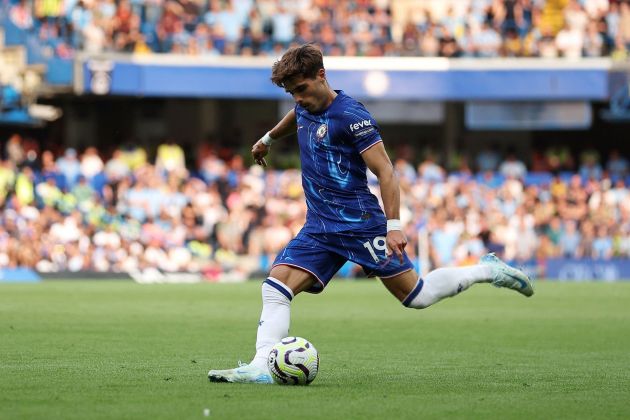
x=538, y=178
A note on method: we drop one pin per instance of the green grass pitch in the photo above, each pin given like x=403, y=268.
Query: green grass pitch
x=118, y=350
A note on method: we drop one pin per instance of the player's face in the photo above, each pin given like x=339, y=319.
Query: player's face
x=311, y=94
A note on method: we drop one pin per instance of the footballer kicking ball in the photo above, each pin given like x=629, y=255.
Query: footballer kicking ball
x=293, y=361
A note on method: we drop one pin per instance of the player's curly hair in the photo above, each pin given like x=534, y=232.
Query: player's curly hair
x=305, y=61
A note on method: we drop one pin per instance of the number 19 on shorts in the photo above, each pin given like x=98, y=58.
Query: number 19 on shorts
x=378, y=244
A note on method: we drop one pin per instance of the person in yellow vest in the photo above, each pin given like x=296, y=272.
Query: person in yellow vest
x=48, y=8
x=24, y=189
x=170, y=158
x=135, y=157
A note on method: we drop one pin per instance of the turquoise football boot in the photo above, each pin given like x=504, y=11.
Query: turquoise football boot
x=506, y=276
x=243, y=374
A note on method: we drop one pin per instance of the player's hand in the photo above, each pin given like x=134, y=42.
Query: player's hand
x=396, y=242
x=259, y=151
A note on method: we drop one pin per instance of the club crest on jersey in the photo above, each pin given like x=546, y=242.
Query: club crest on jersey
x=322, y=130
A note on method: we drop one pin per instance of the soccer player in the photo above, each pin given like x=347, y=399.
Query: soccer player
x=339, y=140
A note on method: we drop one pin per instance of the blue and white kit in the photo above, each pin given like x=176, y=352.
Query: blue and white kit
x=344, y=220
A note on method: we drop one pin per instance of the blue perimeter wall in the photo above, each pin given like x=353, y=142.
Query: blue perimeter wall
x=165, y=81
x=560, y=269
x=18, y=275
x=419, y=79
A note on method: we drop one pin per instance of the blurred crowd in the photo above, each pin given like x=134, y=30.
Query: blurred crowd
x=74, y=211
x=562, y=209
x=427, y=28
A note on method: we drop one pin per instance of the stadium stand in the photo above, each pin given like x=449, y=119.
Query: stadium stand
x=462, y=28
x=125, y=214
x=75, y=209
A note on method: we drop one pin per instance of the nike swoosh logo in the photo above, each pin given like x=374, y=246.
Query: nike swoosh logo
x=521, y=282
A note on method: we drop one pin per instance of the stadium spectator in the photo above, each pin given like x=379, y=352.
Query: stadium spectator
x=545, y=45
x=24, y=188
x=617, y=165
x=487, y=41
x=521, y=240
x=569, y=240
x=14, y=150
x=21, y=15
x=444, y=236
x=594, y=42
x=570, y=41
x=590, y=167
x=368, y=28
x=488, y=159
x=116, y=168
x=171, y=159
x=69, y=167
x=559, y=158
x=48, y=192
x=91, y=163
x=512, y=167
x=602, y=245
x=620, y=50
x=429, y=170
x=622, y=236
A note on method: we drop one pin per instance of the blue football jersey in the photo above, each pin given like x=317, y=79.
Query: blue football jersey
x=333, y=172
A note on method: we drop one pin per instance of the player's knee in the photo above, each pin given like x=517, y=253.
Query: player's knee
x=417, y=297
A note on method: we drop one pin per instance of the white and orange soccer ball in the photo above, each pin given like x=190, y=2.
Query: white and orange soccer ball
x=293, y=361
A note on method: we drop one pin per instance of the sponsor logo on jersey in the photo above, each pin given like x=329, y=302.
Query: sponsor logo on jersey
x=361, y=128
x=361, y=124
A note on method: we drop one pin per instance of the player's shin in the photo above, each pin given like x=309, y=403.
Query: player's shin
x=445, y=282
x=274, y=319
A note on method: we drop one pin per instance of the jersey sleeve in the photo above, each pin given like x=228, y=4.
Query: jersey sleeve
x=361, y=127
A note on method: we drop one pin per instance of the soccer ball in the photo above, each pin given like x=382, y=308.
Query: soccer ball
x=293, y=361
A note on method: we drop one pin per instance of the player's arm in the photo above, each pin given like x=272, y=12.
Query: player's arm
x=286, y=126
x=377, y=160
